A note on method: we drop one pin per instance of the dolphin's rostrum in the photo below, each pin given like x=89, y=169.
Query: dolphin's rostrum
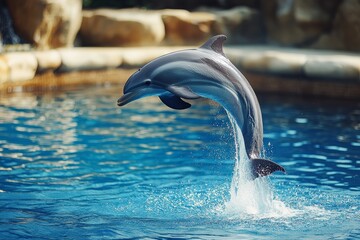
x=205, y=72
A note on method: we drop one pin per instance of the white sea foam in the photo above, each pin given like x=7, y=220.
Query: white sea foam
x=251, y=197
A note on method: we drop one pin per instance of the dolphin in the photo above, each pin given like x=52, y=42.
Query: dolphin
x=205, y=72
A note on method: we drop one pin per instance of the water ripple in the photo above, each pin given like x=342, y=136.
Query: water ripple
x=74, y=161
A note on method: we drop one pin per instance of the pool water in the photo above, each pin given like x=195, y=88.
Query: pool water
x=75, y=166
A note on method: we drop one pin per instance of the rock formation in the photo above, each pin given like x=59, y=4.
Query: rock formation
x=47, y=23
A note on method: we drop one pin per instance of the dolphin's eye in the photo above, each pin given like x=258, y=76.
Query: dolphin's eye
x=147, y=82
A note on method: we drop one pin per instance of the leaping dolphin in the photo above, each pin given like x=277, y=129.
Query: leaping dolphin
x=205, y=72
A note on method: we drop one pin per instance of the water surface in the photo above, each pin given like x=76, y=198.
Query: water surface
x=75, y=166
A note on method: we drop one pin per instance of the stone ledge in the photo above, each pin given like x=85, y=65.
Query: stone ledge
x=311, y=64
x=284, y=67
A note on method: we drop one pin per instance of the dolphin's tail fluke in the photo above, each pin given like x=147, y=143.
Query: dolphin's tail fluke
x=264, y=167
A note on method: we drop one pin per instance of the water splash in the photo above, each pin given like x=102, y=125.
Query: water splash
x=247, y=196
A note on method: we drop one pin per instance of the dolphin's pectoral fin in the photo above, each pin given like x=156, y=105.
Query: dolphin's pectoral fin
x=216, y=44
x=264, y=167
x=174, y=102
x=183, y=92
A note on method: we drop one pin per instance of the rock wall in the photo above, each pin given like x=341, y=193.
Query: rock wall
x=136, y=27
x=184, y=28
x=345, y=30
x=319, y=24
x=269, y=69
x=128, y=27
x=47, y=23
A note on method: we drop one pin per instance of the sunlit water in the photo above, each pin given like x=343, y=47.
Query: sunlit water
x=75, y=166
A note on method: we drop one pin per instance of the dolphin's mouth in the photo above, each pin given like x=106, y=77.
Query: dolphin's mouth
x=139, y=93
x=129, y=97
x=124, y=100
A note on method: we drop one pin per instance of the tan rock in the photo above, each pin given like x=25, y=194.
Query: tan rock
x=296, y=62
x=48, y=60
x=4, y=70
x=310, y=12
x=275, y=62
x=137, y=57
x=296, y=22
x=21, y=65
x=47, y=23
x=126, y=27
x=185, y=28
x=328, y=41
x=345, y=34
x=330, y=69
x=240, y=24
x=89, y=59
x=347, y=24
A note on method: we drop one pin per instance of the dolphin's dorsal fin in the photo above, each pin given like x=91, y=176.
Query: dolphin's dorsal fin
x=215, y=44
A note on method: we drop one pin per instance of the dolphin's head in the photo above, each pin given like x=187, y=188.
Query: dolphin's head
x=139, y=85
x=158, y=79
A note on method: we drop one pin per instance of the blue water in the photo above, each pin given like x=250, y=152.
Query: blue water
x=75, y=166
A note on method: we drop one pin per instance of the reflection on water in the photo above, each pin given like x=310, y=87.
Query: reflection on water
x=323, y=149
x=75, y=165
